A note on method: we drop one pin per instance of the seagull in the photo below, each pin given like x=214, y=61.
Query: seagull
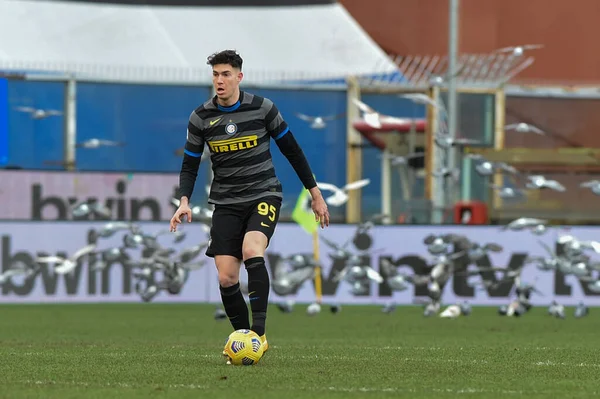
x=451, y=312
x=445, y=141
x=9, y=273
x=340, y=195
x=39, y=113
x=111, y=228
x=198, y=212
x=519, y=50
x=507, y=192
x=374, y=119
x=403, y=159
x=318, y=122
x=487, y=168
x=85, y=208
x=447, y=172
x=96, y=143
x=524, y=128
x=581, y=310
x=594, y=185
x=66, y=265
x=540, y=182
x=524, y=223
x=421, y=98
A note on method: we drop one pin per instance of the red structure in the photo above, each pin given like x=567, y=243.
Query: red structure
x=370, y=133
x=470, y=212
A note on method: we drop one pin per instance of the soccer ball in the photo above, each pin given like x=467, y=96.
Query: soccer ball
x=243, y=348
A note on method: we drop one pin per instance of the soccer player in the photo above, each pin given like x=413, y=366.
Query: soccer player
x=238, y=127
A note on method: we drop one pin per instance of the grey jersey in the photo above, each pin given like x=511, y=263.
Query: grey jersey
x=238, y=138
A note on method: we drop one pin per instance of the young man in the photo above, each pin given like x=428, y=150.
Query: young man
x=238, y=127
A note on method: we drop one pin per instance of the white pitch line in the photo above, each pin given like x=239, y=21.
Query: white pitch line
x=550, y=363
x=547, y=363
x=437, y=348
x=121, y=354
x=198, y=387
x=432, y=360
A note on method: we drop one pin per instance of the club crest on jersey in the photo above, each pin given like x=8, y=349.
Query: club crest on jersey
x=231, y=128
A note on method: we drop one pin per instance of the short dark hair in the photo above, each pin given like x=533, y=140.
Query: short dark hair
x=230, y=57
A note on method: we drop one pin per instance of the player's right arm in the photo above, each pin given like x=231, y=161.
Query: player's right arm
x=194, y=147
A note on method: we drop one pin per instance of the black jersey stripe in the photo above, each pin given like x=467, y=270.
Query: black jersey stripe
x=271, y=115
x=262, y=185
x=194, y=150
x=243, y=161
x=248, y=193
x=245, y=171
x=233, y=180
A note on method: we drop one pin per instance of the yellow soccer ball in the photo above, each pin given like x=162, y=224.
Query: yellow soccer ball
x=243, y=348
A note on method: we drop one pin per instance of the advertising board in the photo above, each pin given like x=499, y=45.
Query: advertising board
x=402, y=245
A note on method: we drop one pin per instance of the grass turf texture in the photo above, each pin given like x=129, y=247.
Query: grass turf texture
x=174, y=351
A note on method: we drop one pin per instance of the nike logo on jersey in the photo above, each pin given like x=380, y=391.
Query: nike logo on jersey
x=264, y=224
x=215, y=121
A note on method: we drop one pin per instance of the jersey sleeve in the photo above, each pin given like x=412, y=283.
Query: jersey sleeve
x=274, y=122
x=194, y=145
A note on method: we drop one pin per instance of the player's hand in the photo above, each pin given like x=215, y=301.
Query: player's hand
x=319, y=207
x=183, y=210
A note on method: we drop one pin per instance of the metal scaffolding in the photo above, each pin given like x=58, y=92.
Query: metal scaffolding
x=430, y=75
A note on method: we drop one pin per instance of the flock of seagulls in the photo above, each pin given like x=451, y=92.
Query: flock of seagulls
x=156, y=266
x=93, y=143
x=451, y=255
x=521, y=182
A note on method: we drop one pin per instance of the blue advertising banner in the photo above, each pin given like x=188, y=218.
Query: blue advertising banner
x=3, y=122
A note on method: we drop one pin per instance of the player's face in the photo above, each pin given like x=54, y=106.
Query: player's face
x=226, y=81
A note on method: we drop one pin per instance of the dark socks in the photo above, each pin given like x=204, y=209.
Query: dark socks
x=258, y=288
x=235, y=307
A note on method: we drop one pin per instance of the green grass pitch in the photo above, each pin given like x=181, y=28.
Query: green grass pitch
x=174, y=351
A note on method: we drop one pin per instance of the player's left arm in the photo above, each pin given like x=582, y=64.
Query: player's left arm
x=284, y=138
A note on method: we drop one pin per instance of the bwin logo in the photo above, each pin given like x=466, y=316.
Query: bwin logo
x=132, y=209
x=419, y=266
x=83, y=280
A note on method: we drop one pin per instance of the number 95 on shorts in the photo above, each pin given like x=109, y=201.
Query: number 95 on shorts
x=264, y=215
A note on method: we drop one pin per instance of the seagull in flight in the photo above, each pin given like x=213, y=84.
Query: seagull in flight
x=540, y=182
x=519, y=50
x=66, y=265
x=96, y=143
x=375, y=119
x=525, y=128
x=403, y=159
x=593, y=185
x=318, y=122
x=420, y=98
x=39, y=113
x=340, y=195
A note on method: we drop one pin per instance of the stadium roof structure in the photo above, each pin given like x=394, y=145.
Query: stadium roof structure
x=117, y=42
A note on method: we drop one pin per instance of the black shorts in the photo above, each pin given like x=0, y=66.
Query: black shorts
x=231, y=222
